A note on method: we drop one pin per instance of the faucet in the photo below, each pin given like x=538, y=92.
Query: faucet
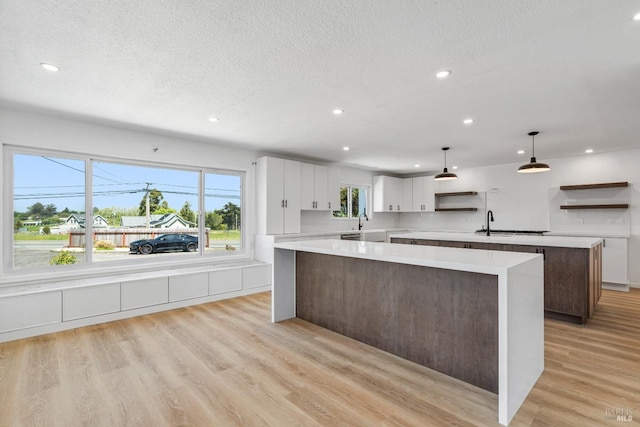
x=489, y=217
x=360, y=224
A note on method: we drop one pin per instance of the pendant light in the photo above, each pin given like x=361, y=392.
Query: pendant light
x=445, y=175
x=533, y=166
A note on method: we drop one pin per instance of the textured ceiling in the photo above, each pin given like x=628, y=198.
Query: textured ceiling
x=273, y=71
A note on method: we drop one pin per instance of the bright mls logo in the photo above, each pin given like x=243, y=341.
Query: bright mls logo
x=618, y=414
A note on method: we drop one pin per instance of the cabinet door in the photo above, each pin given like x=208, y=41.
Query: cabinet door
x=307, y=186
x=429, y=194
x=321, y=187
x=417, y=200
x=273, y=176
x=291, y=220
x=486, y=246
x=522, y=248
x=333, y=189
x=566, y=280
x=614, y=261
x=405, y=204
x=453, y=244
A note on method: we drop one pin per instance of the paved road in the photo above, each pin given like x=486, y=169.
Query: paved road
x=36, y=253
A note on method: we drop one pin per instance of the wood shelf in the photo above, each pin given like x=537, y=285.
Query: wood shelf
x=456, y=209
x=458, y=193
x=594, y=186
x=607, y=206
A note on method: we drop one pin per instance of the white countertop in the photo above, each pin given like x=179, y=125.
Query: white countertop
x=477, y=261
x=515, y=239
x=589, y=234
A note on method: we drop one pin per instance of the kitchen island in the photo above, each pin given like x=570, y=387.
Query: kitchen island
x=572, y=265
x=473, y=315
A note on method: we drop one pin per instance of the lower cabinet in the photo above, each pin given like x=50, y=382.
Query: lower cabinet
x=221, y=281
x=27, y=315
x=188, y=286
x=572, y=276
x=143, y=293
x=90, y=301
x=29, y=311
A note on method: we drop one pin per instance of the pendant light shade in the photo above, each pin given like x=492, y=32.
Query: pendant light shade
x=445, y=175
x=533, y=166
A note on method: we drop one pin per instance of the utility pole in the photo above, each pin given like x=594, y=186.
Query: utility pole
x=148, y=213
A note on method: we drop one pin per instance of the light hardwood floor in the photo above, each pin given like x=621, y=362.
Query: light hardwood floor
x=225, y=363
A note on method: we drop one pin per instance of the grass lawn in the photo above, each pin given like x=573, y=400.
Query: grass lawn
x=224, y=235
x=29, y=236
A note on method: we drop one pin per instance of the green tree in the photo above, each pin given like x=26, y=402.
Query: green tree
x=187, y=213
x=35, y=209
x=155, y=199
x=17, y=223
x=50, y=210
x=230, y=215
x=46, y=230
x=213, y=221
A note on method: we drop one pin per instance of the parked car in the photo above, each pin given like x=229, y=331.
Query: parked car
x=165, y=243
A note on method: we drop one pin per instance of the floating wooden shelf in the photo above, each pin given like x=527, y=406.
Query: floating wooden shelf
x=456, y=209
x=458, y=193
x=593, y=186
x=608, y=206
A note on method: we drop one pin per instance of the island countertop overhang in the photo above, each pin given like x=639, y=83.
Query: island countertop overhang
x=477, y=261
x=556, y=241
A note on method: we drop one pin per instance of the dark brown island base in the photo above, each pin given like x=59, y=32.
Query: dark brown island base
x=572, y=266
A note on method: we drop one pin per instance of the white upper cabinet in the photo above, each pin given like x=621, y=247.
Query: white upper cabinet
x=278, y=195
x=388, y=194
x=423, y=194
x=314, y=194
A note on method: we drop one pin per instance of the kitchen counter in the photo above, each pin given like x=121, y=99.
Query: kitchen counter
x=474, y=315
x=515, y=239
x=572, y=265
x=485, y=262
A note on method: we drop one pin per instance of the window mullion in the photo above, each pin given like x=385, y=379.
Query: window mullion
x=88, y=212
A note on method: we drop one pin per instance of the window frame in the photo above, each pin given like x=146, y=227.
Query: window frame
x=367, y=207
x=7, y=247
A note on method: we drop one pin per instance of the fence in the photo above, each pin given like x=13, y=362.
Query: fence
x=121, y=237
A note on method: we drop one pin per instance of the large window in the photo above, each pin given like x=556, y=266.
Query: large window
x=74, y=211
x=353, y=202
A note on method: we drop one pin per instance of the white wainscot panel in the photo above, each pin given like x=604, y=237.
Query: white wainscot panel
x=188, y=286
x=30, y=310
x=143, y=293
x=90, y=301
x=256, y=276
x=222, y=281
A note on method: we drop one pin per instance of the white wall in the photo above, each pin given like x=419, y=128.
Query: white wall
x=531, y=201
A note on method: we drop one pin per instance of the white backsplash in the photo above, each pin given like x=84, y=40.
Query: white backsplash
x=315, y=221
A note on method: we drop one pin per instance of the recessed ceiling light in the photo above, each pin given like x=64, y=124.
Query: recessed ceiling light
x=520, y=151
x=416, y=165
x=637, y=17
x=214, y=119
x=50, y=67
x=467, y=121
x=588, y=151
x=345, y=148
x=454, y=167
x=442, y=74
x=338, y=111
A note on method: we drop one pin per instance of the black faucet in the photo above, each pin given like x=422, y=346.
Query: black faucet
x=489, y=217
x=360, y=224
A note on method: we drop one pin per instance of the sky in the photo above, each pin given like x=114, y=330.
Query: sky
x=60, y=181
